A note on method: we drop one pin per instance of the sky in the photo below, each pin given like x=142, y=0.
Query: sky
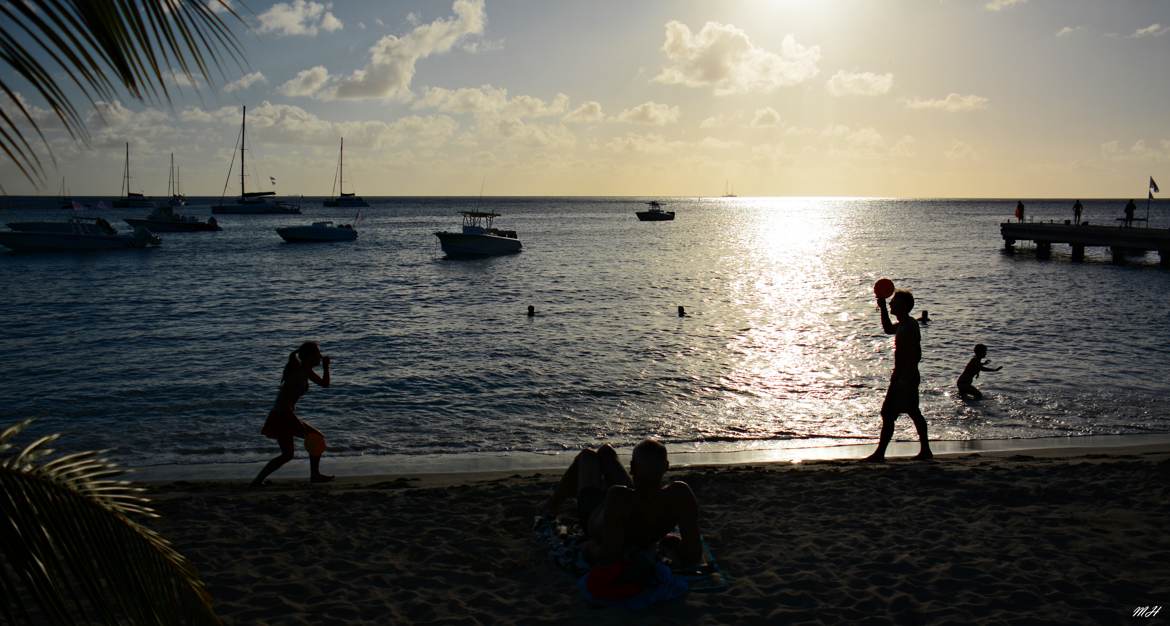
x=898, y=98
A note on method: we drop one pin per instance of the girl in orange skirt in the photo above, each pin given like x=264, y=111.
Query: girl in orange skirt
x=283, y=425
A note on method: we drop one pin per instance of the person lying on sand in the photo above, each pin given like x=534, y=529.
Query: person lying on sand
x=621, y=512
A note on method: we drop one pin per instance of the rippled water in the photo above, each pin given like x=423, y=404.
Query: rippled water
x=174, y=354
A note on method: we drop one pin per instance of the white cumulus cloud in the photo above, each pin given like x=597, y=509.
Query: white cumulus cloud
x=245, y=81
x=392, y=59
x=1153, y=30
x=953, y=103
x=650, y=113
x=999, y=5
x=859, y=84
x=299, y=17
x=961, y=151
x=723, y=57
x=766, y=117
x=588, y=113
x=487, y=100
x=306, y=82
x=1069, y=30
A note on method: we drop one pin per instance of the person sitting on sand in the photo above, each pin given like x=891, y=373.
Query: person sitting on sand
x=621, y=512
x=971, y=372
x=902, y=395
x=283, y=424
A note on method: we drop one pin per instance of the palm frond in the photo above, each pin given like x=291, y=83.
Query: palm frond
x=102, y=47
x=71, y=550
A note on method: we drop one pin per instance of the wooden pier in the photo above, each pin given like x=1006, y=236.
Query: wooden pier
x=1122, y=241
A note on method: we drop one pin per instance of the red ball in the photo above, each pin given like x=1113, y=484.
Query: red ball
x=883, y=288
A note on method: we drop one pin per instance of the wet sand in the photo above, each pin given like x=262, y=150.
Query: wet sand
x=1061, y=536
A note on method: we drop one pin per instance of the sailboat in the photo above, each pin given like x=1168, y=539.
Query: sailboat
x=66, y=200
x=728, y=192
x=254, y=202
x=130, y=199
x=344, y=199
x=177, y=197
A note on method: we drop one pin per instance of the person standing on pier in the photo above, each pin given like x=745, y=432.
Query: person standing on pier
x=1077, y=208
x=1130, y=207
x=1019, y=211
x=902, y=395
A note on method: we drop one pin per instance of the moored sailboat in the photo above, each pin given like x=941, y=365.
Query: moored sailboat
x=254, y=202
x=344, y=199
x=130, y=199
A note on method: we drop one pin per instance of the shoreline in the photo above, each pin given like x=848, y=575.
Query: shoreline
x=473, y=464
x=1063, y=535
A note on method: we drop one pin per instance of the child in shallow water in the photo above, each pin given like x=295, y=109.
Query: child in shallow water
x=971, y=372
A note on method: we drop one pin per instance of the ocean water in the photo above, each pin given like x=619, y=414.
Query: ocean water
x=173, y=355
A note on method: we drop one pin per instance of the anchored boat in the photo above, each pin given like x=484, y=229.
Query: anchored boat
x=478, y=238
x=317, y=232
x=655, y=213
x=255, y=202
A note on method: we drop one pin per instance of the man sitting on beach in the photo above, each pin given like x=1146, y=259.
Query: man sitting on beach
x=623, y=512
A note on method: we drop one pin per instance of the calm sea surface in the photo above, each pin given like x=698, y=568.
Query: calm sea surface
x=173, y=355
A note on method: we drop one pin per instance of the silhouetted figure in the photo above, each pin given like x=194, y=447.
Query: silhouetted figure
x=902, y=395
x=1019, y=211
x=283, y=425
x=1130, y=207
x=531, y=311
x=623, y=512
x=1077, y=209
x=681, y=311
x=971, y=372
x=924, y=319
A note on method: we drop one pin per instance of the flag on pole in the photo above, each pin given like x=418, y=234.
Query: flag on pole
x=1153, y=186
x=273, y=179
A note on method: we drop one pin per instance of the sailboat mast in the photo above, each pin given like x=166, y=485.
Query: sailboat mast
x=243, y=140
x=171, y=177
x=341, y=165
x=126, y=177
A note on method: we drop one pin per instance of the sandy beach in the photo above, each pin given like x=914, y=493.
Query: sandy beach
x=1060, y=536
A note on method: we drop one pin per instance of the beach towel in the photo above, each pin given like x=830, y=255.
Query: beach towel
x=563, y=539
x=634, y=583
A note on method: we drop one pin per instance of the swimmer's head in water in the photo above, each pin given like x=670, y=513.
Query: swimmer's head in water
x=649, y=462
x=902, y=302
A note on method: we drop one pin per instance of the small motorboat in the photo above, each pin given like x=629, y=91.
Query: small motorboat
x=317, y=232
x=79, y=233
x=478, y=238
x=163, y=219
x=655, y=213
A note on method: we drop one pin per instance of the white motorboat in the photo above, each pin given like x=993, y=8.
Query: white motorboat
x=255, y=202
x=131, y=200
x=317, y=232
x=79, y=233
x=344, y=199
x=478, y=238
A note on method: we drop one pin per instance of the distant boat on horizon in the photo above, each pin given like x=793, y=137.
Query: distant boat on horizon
x=254, y=202
x=654, y=213
x=728, y=192
x=344, y=199
x=130, y=199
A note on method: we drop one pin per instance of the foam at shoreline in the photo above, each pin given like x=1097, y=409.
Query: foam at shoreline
x=681, y=456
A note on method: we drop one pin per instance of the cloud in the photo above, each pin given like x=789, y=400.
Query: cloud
x=859, y=84
x=1153, y=30
x=1139, y=151
x=723, y=57
x=1069, y=30
x=766, y=117
x=300, y=17
x=723, y=120
x=588, y=113
x=479, y=45
x=306, y=82
x=953, y=103
x=488, y=100
x=650, y=113
x=961, y=151
x=245, y=81
x=392, y=59
x=219, y=6
x=999, y=5
x=177, y=77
